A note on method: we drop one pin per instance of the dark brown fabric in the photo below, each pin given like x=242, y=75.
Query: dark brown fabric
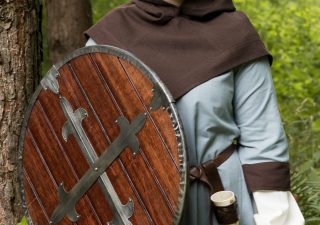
x=208, y=171
x=267, y=176
x=185, y=46
x=209, y=175
x=227, y=214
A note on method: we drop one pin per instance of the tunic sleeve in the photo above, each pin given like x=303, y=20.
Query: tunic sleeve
x=263, y=146
x=262, y=142
x=277, y=208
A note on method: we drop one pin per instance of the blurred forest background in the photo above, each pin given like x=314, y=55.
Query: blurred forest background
x=291, y=31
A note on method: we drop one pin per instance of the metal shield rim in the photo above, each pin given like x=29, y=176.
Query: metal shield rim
x=153, y=77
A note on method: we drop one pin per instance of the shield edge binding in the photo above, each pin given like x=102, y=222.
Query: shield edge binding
x=171, y=108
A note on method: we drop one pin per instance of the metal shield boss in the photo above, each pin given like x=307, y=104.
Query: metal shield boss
x=102, y=143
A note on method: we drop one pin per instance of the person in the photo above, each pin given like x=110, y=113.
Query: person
x=218, y=70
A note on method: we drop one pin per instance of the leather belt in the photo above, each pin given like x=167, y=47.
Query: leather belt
x=209, y=175
x=208, y=171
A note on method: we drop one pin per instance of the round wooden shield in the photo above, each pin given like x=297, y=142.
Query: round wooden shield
x=102, y=144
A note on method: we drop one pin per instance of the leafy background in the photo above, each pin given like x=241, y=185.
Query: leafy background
x=291, y=31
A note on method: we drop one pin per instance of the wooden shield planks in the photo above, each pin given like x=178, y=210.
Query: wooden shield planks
x=100, y=86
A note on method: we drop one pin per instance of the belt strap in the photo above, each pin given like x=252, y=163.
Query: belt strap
x=208, y=171
x=208, y=174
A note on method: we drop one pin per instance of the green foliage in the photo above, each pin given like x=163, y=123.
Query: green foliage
x=305, y=183
x=100, y=8
x=23, y=221
x=291, y=31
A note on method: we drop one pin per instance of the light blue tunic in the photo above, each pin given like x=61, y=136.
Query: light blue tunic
x=238, y=104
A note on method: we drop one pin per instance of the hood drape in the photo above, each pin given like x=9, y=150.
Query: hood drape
x=185, y=45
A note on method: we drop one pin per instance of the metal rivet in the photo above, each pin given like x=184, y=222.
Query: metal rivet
x=116, y=121
x=150, y=108
x=96, y=169
x=145, y=113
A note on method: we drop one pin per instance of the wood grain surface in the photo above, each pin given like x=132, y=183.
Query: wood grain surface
x=106, y=87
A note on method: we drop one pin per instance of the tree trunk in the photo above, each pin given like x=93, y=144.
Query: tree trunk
x=19, y=74
x=66, y=22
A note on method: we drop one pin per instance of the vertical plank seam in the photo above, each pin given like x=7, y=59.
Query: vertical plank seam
x=99, y=73
x=160, y=188
x=35, y=145
x=36, y=195
x=149, y=115
x=108, y=138
x=144, y=156
x=66, y=157
x=137, y=194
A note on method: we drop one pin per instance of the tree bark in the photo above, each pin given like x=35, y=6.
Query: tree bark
x=19, y=74
x=66, y=22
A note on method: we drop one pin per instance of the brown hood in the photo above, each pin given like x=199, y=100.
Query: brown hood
x=185, y=46
x=200, y=9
